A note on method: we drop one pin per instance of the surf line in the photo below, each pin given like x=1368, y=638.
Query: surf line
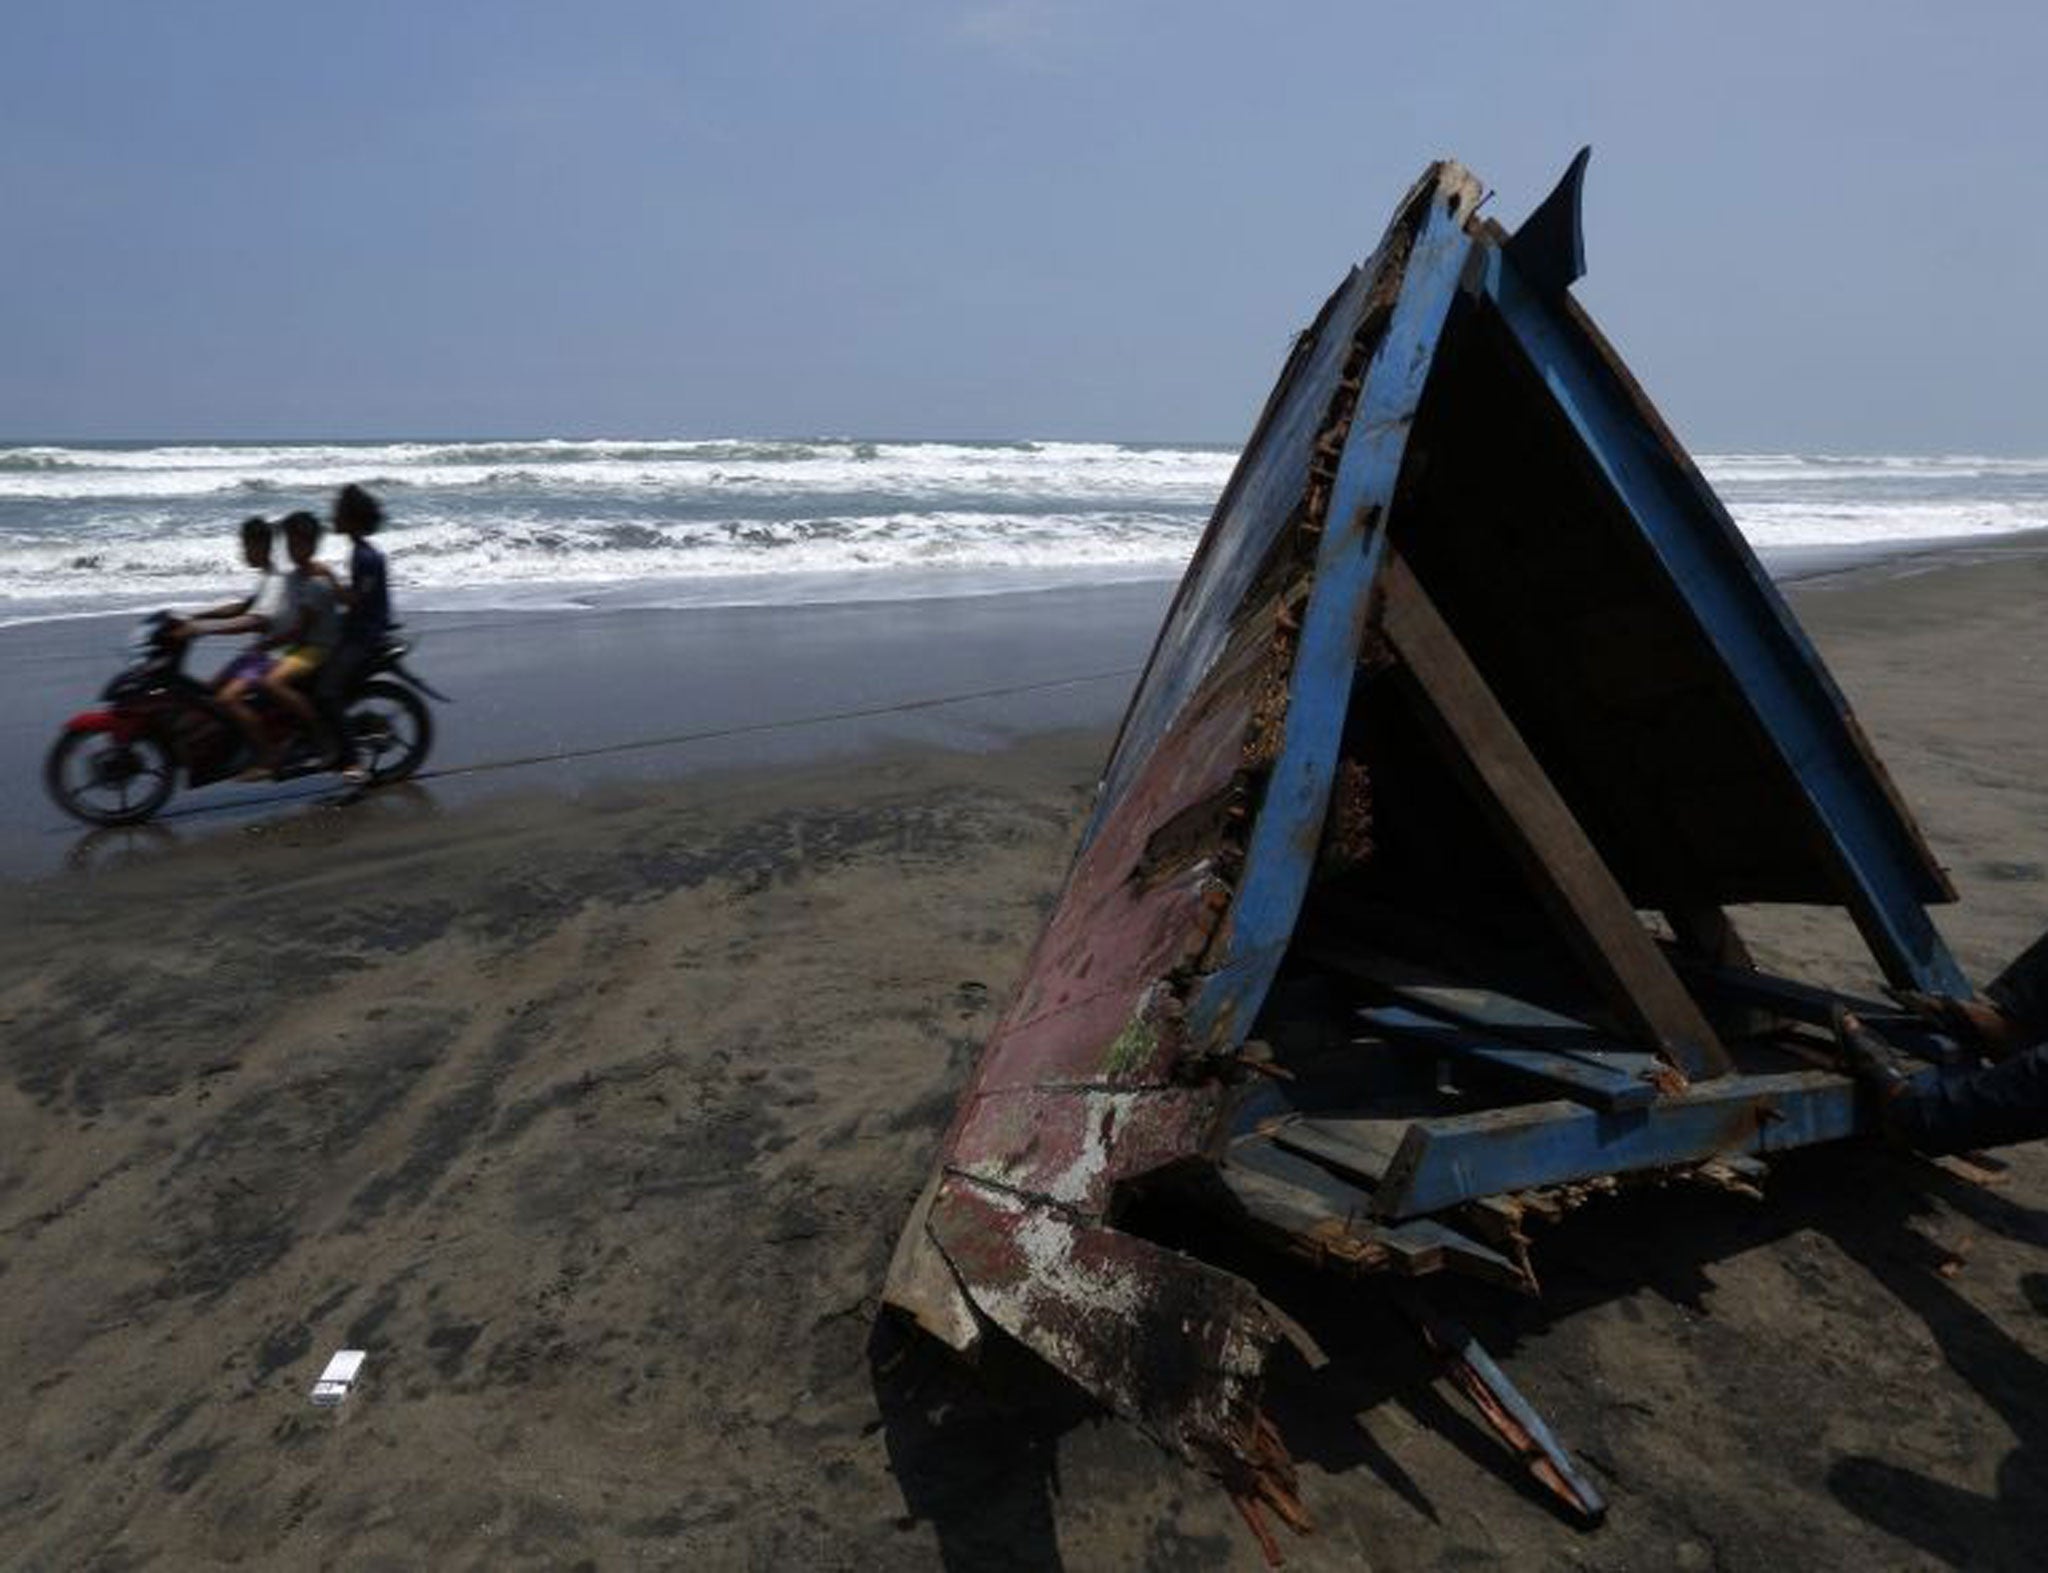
x=680, y=739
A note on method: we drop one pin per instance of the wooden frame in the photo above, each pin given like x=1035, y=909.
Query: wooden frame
x=1570, y=877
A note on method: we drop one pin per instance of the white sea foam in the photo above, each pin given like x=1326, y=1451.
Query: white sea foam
x=690, y=522
x=935, y=470
x=1725, y=469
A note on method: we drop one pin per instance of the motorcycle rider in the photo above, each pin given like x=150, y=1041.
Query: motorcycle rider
x=121, y=761
x=255, y=613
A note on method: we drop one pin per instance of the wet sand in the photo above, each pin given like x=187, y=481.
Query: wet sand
x=592, y=1113
x=551, y=699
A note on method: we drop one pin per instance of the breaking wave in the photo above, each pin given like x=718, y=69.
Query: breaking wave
x=656, y=522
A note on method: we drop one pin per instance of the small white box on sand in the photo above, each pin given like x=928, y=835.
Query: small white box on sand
x=338, y=1378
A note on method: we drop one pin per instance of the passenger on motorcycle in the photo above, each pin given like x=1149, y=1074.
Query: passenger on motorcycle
x=365, y=625
x=305, y=638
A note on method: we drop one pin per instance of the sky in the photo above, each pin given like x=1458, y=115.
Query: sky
x=1818, y=227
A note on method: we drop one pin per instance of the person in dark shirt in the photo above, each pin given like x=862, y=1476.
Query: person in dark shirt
x=365, y=622
x=1988, y=1105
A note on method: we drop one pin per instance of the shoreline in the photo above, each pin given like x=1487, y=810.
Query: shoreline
x=566, y=699
x=604, y=597
x=571, y=700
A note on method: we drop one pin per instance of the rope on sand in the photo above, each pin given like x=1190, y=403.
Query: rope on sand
x=677, y=739
x=792, y=723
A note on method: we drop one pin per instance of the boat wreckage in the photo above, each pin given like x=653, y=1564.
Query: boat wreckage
x=1401, y=914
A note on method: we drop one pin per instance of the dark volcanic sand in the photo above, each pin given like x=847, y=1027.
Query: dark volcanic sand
x=593, y=1118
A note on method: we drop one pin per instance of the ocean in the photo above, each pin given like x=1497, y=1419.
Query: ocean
x=96, y=528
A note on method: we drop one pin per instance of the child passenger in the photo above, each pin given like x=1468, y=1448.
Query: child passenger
x=308, y=634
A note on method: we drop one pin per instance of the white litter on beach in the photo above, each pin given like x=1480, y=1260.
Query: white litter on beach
x=338, y=1378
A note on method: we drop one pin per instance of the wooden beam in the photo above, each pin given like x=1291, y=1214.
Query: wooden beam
x=1884, y=866
x=1457, y=1158
x=1709, y=934
x=1571, y=879
x=1363, y=1149
x=1327, y=1219
x=1808, y=1003
x=1566, y=1062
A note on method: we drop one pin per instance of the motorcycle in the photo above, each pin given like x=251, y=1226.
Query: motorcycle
x=118, y=764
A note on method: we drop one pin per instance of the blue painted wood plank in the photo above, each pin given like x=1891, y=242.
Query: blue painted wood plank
x=1300, y=1198
x=1285, y=834
x=1501, y=1404
x=1601, y=1078
x=1884, y=869
x=1362, y=1148
x=1256, y=505
x=1813, y=1005
x=1443, y=1162
x=1481, y=1007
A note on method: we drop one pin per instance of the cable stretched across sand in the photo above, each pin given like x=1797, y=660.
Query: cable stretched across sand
x=701, y=735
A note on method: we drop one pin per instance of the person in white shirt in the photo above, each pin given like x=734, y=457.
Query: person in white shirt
x=261, y=612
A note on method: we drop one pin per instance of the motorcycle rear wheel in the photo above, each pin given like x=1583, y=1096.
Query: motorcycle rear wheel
x=391, y=729
x=107, y=780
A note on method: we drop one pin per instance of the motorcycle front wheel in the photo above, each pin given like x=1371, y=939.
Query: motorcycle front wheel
x=391, y=730
x=106, y=780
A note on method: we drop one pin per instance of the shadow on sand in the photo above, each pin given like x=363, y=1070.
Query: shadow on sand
x=976, y=1452
x=2007, y=1526
x=113, y=847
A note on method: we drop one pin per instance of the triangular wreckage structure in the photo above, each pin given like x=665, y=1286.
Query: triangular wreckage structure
x=1470, y=673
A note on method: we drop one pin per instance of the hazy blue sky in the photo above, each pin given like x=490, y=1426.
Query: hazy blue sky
x=1819, y=227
